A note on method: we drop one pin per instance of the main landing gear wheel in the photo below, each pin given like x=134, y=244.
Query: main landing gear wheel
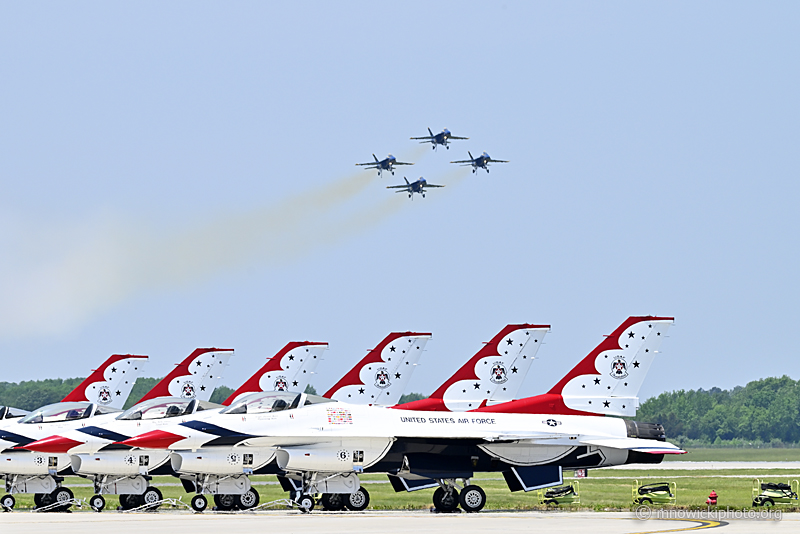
x=128, y=501
x=8, y=502
x=357, y=501
x=97, y=502
x=37, y=499
x=199, y=503
x=62, y=496
x=152, y=498
x=224, y=502
x=472, y=499
x=332, y=502
x=305, y=503
x=248, y=499
x=444, y=501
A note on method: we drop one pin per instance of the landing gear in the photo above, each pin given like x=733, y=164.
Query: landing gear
x=225, y=502
x=151, y=498
x=472, y=499
x=445, y=501
x=248, y=499
x=358, y=501
x=128, y=501
x=97, y=503
x=199, y=503
x=37, y=499
x=423, y=195
x=62, y=496
x=332, y=502
x=8, y=502
x=305, y=503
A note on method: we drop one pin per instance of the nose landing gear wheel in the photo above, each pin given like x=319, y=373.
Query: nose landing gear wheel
x=97, y=502
x=305, y=503
x=199, y=503
x=8, y=502
x=357, y=501
x=472, y=499
x=445, y=502
x=248, y=499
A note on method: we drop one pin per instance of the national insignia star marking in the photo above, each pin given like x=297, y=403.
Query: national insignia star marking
x=392, y=349
x=397, y=376
x=509, y=341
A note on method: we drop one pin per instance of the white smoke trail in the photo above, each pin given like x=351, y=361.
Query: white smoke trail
x=80, y=273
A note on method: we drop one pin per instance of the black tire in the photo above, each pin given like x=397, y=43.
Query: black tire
x=225, y=501
x=472, y=499
x=756, y=503
x=97, y=503
x=247, y=500
x=199, y=503
x=768, y=502
x=445, y=502
x=332, y=502
x=45, y=500
x=150, y=497
x=8, y=502
x=305, y=503
x=37, y=499
x=549, y=501
x=63, y=496
x=358, y=501
x=127, y=501
x=646, y=500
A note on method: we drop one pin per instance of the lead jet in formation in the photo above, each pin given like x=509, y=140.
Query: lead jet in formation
x=439, y=139
x=481, y=161
x=413, y=187
x=386, y=164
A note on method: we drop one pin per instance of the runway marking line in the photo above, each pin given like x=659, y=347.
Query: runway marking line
x=706, y=523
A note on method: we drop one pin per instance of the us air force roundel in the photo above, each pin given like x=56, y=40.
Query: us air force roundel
x=382, y=378
x=498, y=375
x=619, y=368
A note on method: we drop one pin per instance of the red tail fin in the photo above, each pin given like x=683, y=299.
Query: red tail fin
x=195, y=377
x=111, y=383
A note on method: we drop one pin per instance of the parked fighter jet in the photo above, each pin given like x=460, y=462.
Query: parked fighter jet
x=386, y=164
x=41, y=471
x=481, y=161
x=413, y=187
x=103, y=392
x=439, y=139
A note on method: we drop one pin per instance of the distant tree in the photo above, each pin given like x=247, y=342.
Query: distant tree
x=410, y=397
x=310, y=390
x=220, y=394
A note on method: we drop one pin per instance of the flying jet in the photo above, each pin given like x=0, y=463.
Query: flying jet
x=439, y=139
x=413, y=187
x=386, y=164
x=40, y=469
x=481, y=161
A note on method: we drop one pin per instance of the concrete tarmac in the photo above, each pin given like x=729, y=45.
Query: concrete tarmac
x=389, y=522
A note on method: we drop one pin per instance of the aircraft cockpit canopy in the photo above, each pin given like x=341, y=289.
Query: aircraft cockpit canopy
x=7, y=412
x=165, y=407
x=65, y=411
x=273, y=401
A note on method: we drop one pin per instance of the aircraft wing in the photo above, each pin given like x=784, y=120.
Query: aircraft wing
x=426, y=138
x=467, y=161
x=433, y=185
x=454, y=137
x=498, y=161
x=396, y=186
x=401, y=163
x=371, y=164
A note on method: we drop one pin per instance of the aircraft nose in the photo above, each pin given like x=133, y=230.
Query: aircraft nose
x=53, y=444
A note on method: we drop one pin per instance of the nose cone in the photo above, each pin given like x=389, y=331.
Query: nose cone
x=53, y=444
x=447, y=131
x=155, y=439
x=485, y=155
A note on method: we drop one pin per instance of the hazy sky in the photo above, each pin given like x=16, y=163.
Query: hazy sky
x=181, y=174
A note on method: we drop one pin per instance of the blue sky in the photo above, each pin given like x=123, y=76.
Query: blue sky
x=182, y=174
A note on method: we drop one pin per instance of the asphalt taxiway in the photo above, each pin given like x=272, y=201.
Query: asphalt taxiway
x=390, y=522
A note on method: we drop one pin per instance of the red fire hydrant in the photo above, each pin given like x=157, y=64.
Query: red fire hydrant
x=712, y=498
